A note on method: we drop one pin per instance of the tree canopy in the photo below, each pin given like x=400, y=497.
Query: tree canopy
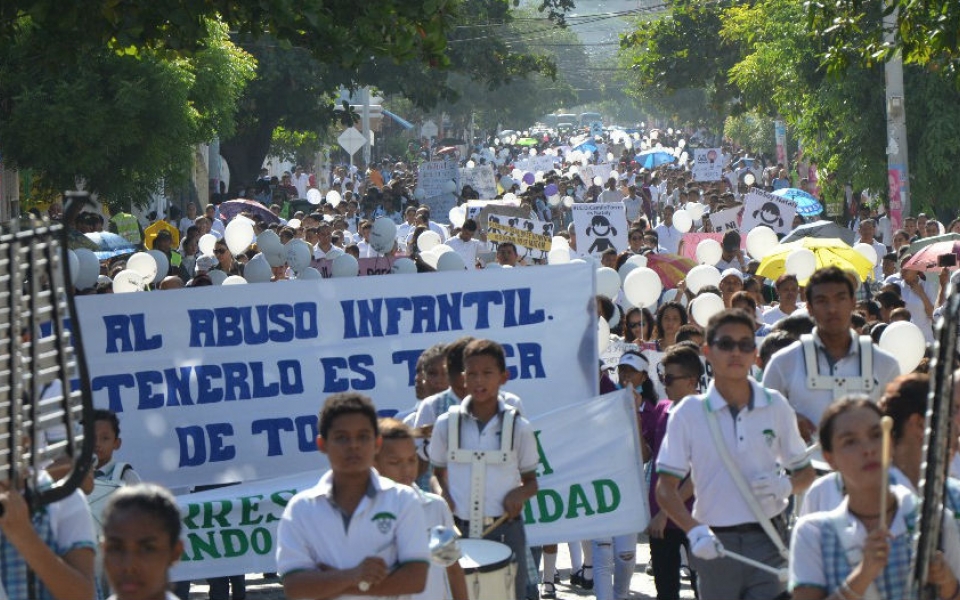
x=766, y=59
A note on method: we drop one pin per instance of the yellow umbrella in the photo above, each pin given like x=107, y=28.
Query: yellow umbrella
x=828, y=251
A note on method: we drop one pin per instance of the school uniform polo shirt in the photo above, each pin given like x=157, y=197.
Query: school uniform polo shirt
x=761, y=437
x=500, y=477
x=786, y=372
x=389, y=522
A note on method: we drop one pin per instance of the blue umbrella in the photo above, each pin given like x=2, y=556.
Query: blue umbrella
x=110, y=245
x=807, y=205
x=586, y=147
x=654, y=158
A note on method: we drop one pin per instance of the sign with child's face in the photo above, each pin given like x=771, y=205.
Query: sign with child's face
x=215, y=388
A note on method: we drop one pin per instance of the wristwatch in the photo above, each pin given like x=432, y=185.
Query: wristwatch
x=363, y=586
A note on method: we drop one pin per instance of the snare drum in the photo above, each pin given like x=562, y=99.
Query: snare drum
x=490, y=569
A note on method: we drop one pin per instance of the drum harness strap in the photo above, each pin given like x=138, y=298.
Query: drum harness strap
x=840, y=386
x=478, y=461
x=741, y=481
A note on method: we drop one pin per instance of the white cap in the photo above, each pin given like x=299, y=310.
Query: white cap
x=731, y=271
x=637, y=362
x=206, y=262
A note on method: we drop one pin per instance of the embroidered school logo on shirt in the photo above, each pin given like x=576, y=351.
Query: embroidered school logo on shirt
x=384, y=521
x=769, y=436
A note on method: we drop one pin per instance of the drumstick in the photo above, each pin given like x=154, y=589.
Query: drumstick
x=782, y=574
x=886, y=424
x=500, y=521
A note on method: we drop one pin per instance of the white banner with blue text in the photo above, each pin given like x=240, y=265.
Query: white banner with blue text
x=591, y=489
x=219, y=385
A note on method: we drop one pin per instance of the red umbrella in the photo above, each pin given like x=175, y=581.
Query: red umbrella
x=670, y=267
x=927, y=258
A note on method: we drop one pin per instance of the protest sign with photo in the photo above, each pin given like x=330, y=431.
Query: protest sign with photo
x=533, y=164
x=434, y=177
x=213, y=387
x=600, y=226
x=480, y=211
x=725, y=220
x=532, y=237
x=763, y=208
x=589, y=172
x=587, y=489
x=481, y=178
x=690, y=241
x=707, y=164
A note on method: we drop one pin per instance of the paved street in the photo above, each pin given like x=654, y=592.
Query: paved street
x=641, y=586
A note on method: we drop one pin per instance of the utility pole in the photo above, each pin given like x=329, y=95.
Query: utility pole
x=898, y=173
x=365, y=124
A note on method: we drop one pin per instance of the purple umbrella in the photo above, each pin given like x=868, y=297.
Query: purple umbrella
x=232, y=208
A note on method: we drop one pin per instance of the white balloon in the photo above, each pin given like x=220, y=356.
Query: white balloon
x=682, y=220
x=802, y=262
x=614, y=175
x=458, y=214
x=704, y=307
x=73, y=267
x=696, y=210
x=450, y=261
x=610, y=157
x=608, y=282
x=626, y=269
x=554, y=200
x=615, y=317
x=234, y=280
x=558, y=241
x=146, y=265
x=428, y=240
x=471, y=164
x=642, y=287
x=333, y=198
x=299, y=254
x=510, y=198
x=127, y=281
x=761, y=241
x=533, y=151
x=450, y=186
x=702, y=276
x=206, y=243
x=709, y=252
x=404, y=265
x=309, y=273
x=603, y=334
x=638, y=259
x=163, y=264
x=568, y=201
x=558, y=256
x=257, y=270
x=314, y=196
x=238, y=235
x=598, y=180
x=295, y=223
x=345, y=265
x=905, y=342
x=868, y=252
x=431, y=257
x=87, y=270
x=383, y=235
x=217, y=277
x=270, y=246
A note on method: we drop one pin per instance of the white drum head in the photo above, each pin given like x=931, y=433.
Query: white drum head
x=484, y=555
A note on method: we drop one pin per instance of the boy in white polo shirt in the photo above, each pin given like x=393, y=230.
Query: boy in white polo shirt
x=759, y=431
x=508, y=456
x=354, y=532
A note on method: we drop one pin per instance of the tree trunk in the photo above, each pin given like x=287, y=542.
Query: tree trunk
x=245, y=153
